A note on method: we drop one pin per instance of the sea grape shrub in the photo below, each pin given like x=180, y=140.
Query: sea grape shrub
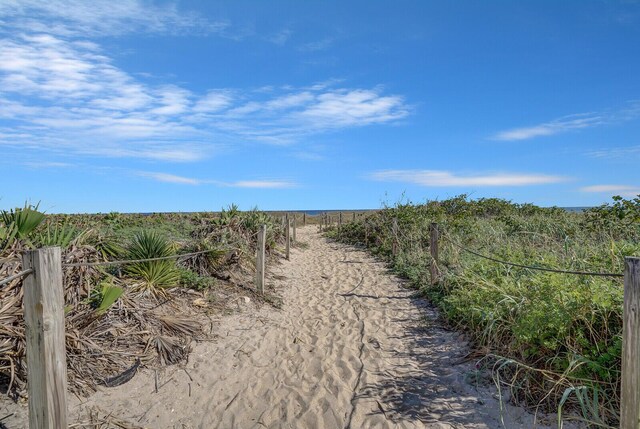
x=619, y=220
x=564, y=330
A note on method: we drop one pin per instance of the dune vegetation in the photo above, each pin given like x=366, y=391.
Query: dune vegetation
x=120, y=316
x=551, y=340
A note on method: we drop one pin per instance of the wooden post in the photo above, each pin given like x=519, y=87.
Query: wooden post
x=287, y=235
x=394, y=230
x=433, y=247
x=630, y=399
x=304, y=219
x=340, y=219
x=294, y=229
x=46, y=352
x=366, y=232
x=260, y=257
x=354, y=216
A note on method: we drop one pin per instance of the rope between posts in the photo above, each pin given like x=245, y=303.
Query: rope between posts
x=16, y=276
x=530, y=267
x=135, y=261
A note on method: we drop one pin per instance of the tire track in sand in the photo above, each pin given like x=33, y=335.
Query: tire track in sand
x=351, y=348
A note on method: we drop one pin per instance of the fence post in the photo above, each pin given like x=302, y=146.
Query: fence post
x=394, y=230
x=304, y=219
x=46, y=351
x=287, y=235
x=433, y=247
x=366, y=233
x=260, y=257
x=340, y=221
x=630, y=398
x=294, y=229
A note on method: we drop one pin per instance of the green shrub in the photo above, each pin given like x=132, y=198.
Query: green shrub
x=559, y=334
x=155, y=274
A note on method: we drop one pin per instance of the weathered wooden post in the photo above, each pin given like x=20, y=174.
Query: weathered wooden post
x=46, y=351
x=294, y=228
x=394, y=231
x=340, y=219
x=260, y=257
x=304, y=219
x=366, y=232
x=433, y=248
x=287, y=235
x=630, y=398
x=354, y=216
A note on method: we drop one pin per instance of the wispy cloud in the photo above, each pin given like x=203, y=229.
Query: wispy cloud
x=616, y=152
x=103, y=18
x=170, y=178
x=62, y=94
x=263, y=184
x=622, y=190
x=253, y=184
x=319, y=45
x=557, y=126
x=571, y=122
x=47, y=164
x=439, y=178
x=281, y=37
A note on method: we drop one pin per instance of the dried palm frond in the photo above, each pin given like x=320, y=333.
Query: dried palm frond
x=180, y=325
x=170, y=349
x=101, y=419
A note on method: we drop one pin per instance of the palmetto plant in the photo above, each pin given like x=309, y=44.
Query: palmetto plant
x=155, y=274
x=24, y=220
x=57, y=235
x=7, y=235
x=103, y=298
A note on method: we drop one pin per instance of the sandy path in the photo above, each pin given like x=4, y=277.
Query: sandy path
x=351, y=348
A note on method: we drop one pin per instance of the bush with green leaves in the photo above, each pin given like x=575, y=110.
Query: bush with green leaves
x=559, y=335
x=155, y=274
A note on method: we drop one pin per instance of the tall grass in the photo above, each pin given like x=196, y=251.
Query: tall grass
x=553, y=339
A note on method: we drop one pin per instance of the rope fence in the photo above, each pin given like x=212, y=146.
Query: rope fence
x=630, y=353
x=44, y=318
x=136, y=261
x=530, y=267
x=19, y=275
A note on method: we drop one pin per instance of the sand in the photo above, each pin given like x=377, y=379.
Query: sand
x=352, y=347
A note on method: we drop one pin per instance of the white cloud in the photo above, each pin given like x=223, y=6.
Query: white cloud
x=173, y=100
x=169, y=178
x=623, y=190
x=319, y=45
x=281, y=37
x=103, y=17
x=550, y=128
x=67, y=95
x=616, y=152
x=214, y=101
x=263, y=184
x=572, y=122
x=254, y=184
x=343, y=107
x=438, y=178
x=48, y=164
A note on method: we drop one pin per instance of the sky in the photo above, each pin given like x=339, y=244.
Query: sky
x=145, y=106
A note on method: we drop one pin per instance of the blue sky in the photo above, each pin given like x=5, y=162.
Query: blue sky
x=186, y=106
